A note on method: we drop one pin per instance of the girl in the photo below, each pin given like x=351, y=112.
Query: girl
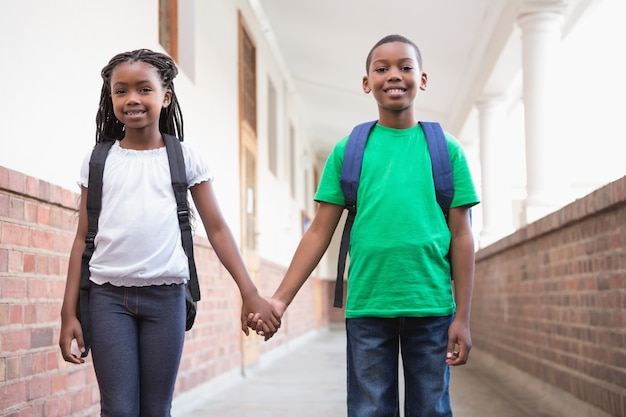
x=138, y=269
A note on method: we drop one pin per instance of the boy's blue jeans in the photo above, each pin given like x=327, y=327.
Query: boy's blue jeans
x=138, y=336
x=373, y=345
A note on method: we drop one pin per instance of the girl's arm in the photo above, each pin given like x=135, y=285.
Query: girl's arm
x=70, y=326
x=226, y=249
x=462, y=263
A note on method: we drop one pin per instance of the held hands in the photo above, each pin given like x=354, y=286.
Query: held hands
x=255, y=320
x=267, y=318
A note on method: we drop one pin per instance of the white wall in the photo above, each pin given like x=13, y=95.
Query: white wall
x=593, y=92
x=53, y=53
x=52, y=56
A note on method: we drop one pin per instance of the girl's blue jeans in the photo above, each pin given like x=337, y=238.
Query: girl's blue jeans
x=373, y=348
x=138, y=336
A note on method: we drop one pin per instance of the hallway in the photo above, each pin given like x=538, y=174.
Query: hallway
x=307, y=379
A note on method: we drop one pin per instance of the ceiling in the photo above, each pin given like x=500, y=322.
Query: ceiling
x=470, y=48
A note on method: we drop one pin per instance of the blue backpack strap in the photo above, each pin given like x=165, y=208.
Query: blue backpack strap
x=349, y=181
x=441, y=166
x=353, y=159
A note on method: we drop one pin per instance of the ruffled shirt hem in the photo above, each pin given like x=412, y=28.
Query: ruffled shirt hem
x=139, y=282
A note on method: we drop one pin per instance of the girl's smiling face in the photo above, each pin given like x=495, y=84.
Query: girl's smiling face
x=138, y=95
x=394, y=76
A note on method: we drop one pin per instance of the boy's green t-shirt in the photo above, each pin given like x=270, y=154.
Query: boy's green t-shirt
x=400, y=240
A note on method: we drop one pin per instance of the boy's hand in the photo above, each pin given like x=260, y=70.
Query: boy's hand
x=69, y=331
x=268, y=319
x=255, y=322
x=458, y=336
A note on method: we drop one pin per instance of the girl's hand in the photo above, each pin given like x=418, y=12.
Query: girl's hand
x=256, y=323
x=70, y=330
x=268, y=319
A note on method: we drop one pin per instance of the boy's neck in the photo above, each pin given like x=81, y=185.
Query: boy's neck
x=400, y=120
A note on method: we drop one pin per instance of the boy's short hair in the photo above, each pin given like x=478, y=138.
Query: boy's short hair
x=389, y=39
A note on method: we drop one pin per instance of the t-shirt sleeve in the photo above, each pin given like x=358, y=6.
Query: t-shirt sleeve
x=464, y=189
x=329, y=189
x=83, y=179
x=198, y=169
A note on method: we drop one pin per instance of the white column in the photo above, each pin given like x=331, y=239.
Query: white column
x=541, y=23
x=495, y=168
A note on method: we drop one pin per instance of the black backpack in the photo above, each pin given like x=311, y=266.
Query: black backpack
x=351, y=173
x=94, y=206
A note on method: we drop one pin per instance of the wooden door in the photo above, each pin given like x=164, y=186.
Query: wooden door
x=250, y=345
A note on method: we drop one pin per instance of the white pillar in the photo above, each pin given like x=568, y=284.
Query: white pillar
x=541, y=23
x=495, y=168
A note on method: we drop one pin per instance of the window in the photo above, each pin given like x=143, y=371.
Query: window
x=168, y=27
x=307, y=185
x=272, y=130
x=248, y=82
x=291, y=158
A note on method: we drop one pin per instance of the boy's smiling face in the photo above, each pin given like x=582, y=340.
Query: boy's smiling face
x=394, y=76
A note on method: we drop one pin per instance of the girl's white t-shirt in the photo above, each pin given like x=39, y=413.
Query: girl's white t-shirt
x=138, y=241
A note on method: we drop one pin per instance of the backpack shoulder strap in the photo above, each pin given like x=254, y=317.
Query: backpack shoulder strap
x=94, y=188
x=441, y=165
x=353, y=159
x=349, y=181
x=179, y=184
x=437, y=148
x=94, y=206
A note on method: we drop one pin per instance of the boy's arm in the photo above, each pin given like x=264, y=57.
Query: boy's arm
x=310, y=250
x=462, y=263
x=226, y=249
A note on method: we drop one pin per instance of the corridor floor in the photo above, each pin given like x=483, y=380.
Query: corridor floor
x=308, y=380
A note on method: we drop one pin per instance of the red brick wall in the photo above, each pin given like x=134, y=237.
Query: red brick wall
x=37, y=227
x=551, y=299
x=303, y=315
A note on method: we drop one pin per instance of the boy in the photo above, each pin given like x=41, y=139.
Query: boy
x=400, y=296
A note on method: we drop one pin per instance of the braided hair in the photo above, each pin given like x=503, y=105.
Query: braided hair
x=108, y=128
